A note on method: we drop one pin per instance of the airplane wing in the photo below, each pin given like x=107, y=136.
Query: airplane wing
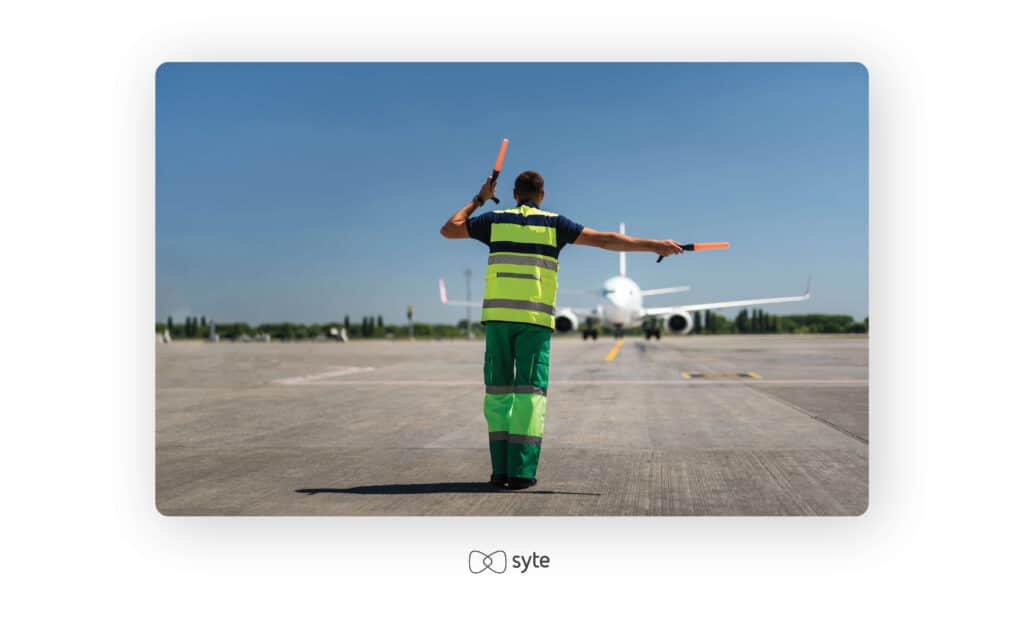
x=668, y=310
x=665, y=291
x=445, y=300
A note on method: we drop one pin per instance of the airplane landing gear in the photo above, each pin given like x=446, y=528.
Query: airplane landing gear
x=589, y=333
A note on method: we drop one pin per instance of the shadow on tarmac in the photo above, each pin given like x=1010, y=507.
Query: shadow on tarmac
x=423, y=489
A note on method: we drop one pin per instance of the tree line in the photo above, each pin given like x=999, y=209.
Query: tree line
x=754, y=321
x=757, y=321
x=192, y=328
x=367, y=327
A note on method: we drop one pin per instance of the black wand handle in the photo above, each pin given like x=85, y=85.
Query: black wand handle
x=494, y=181
x=686, y=248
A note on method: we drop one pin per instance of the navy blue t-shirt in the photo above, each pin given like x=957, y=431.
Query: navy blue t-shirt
x=567, y=230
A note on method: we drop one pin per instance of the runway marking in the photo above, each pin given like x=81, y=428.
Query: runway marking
x=750, y=375
x=306, y=380
x=615, y=351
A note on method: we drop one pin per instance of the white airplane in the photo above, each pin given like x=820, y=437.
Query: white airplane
x=623, y=307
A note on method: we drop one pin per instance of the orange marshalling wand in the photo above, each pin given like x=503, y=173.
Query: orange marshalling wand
x=696, y=247
x=497, y=166
x=501, y=156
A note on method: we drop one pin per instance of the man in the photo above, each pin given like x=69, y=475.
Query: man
x=519, y=314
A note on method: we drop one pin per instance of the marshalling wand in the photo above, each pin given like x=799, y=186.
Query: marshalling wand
x=497, y=167
x=696, y=247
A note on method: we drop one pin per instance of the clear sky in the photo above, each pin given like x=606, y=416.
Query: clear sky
x=305, y=192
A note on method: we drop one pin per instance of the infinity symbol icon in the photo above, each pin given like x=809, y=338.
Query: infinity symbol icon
x=495, y=561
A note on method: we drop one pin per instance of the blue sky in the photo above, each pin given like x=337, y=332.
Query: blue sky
x=304, y=192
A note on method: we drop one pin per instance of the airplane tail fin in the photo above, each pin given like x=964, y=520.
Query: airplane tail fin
x=622, y=255
x=444, y=297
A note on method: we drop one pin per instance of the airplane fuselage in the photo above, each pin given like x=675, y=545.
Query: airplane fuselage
x=623, y=302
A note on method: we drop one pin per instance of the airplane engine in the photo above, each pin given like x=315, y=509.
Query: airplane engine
x=680, y=323
x=566, y=321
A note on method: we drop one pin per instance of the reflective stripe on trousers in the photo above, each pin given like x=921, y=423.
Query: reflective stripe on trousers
x=514, y=438
x=520, y=390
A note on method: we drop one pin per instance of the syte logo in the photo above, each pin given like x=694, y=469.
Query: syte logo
x=497, y=562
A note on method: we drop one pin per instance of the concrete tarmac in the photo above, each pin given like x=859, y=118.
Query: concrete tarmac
x=695, y=425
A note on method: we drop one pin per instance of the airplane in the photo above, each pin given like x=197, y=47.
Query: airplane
x=623, y=307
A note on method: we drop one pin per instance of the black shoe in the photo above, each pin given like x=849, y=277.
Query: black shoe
x=499, y=481
x=519, y=483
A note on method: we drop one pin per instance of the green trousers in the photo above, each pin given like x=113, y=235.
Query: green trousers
x=516, y=375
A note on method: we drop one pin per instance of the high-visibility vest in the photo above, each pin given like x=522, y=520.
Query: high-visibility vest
x=522, y=268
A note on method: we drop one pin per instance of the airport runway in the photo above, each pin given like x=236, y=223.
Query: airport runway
x=705, y=425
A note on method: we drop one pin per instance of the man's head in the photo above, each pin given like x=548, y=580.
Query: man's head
x=529, y=188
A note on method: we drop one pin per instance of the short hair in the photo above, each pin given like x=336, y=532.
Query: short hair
x=529, y=184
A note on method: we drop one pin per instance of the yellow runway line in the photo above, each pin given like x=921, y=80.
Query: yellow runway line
x=615, y=350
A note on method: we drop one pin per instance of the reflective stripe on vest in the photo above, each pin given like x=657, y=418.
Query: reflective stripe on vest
x=522, y=271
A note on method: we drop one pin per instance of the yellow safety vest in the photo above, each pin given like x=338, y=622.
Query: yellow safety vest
x=522, y=269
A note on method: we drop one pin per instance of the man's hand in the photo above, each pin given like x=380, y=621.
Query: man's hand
x=487, y=190
x=666, y=247
x=455, y=227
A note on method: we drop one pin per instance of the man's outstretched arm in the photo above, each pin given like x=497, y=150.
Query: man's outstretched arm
x=616, y=242
x=455, y=227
